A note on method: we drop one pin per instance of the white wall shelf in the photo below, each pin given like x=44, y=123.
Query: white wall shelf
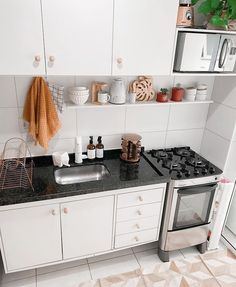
x=70, y=105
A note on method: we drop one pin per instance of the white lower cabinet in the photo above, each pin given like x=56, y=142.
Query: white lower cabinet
x=87, y=226
x=39, y=234
x=30, y=236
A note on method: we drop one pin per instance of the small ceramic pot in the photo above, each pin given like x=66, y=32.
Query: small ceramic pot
x=177, y=94
x=162, y=98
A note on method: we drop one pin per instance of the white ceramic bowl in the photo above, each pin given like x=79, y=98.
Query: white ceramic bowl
x=79, y=99
x=79, y=91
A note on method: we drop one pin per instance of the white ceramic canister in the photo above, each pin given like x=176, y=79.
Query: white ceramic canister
x=118, y=92
x=190, y=94
x=201, y=92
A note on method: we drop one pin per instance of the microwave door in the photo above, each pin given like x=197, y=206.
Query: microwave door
x=196, y=51
x=226, y=57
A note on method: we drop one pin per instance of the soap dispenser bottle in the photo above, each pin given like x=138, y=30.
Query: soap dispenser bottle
x=99, y=148
x=91, y=149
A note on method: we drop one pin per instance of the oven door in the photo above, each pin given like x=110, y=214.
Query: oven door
x=192, y=206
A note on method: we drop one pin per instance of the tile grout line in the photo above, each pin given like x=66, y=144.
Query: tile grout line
x=136, y=258
x=89, y=269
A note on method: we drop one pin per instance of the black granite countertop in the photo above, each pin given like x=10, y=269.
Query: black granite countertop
x=122, y=175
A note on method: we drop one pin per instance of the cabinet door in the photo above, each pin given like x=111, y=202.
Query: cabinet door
x=144, y=33
x=30, y=236
x=21, y=48
x=87, y=226
x=78, y=36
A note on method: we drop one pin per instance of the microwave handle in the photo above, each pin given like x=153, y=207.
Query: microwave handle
x=223, y=53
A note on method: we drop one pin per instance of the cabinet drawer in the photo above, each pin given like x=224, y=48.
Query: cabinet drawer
x=135, y=238
x=137, y=225
x=140, y=197
x=135, y=212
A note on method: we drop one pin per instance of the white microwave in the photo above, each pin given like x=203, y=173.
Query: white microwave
x=205, y=52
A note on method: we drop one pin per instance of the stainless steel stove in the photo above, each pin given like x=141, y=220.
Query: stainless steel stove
x=189, y=198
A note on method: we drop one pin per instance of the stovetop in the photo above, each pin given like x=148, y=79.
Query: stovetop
x=180, y=163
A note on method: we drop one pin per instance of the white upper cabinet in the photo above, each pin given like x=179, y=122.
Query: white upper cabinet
x=144, y=33
x=21, y=47
x=78, y=36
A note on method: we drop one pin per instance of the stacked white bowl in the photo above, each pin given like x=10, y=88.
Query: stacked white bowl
x=201, y=92
x=79, y=95
x=190, y=94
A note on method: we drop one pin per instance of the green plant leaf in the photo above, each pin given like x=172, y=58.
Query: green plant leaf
x=232, y=6
x=194, y=2
x=218, y=21
x=215, y=3
x=205, y=7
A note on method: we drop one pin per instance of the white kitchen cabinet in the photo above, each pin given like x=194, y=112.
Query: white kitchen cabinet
x=144, y=34
x=21, y=48
x=78, y=36
x=87, y=226
x=31, y=236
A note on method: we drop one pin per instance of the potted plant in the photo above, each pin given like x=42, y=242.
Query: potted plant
x=220, y=13
x=162, y=96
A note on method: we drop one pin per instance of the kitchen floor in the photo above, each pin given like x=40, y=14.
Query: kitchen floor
x=73, y=273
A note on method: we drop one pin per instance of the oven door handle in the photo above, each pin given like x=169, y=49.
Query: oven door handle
x=197, y=190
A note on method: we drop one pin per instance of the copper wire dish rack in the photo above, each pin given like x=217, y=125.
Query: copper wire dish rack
x=16, y=165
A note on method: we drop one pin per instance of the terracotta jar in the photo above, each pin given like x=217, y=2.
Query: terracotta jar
x=177, y=94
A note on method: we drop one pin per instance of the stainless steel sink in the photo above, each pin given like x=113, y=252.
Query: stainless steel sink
x=82, y=173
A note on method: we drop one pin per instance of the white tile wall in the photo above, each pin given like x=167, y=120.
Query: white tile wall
x=7, y=94
x=192, y=138
x=221, y=120
x=224, y=91
x=9, y=124
x=159, y=126
x=215, y=148
x=188, y=117
x=147, y=119
x=220, y=135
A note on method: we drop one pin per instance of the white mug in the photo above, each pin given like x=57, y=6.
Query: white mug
x=103, y=97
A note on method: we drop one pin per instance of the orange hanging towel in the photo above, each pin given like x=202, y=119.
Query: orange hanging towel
x=40, y=113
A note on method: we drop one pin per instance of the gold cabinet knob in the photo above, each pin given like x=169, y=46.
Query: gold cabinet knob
x=139, y=212
x=65, y=210
x=37, y=58
x=119, y=61
x=140, y=198
x=137, y=226
x=52, y=59
x=53, y=212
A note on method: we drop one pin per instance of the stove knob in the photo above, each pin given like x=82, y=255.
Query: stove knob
x=188, y=173
x=204, y=171
x=196, y=172
x=212, y=170
x=179, y=174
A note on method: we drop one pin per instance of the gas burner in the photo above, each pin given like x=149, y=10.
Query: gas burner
x=195, y=162
x=182, y=151
x=162, y=154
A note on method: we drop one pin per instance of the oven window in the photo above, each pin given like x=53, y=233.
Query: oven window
x=193, y=206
